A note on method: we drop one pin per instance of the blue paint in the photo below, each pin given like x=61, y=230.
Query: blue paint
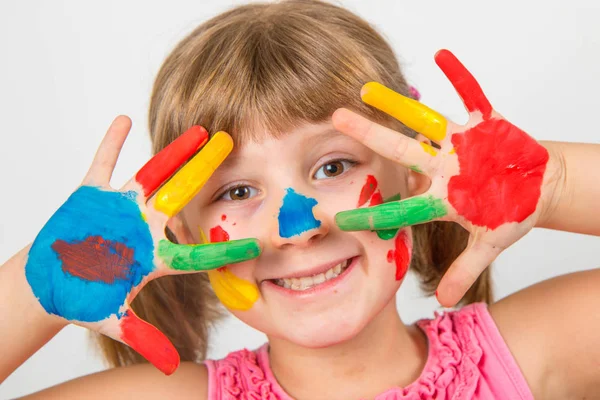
x=89, y=211
x=295, y=215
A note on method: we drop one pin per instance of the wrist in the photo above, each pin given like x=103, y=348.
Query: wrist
x=555, y=189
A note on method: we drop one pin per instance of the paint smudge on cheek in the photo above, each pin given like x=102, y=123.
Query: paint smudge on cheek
x=95, y=259
x=376, y=199
x=501, y=174
x=235, y=293
x=400, y=255
x=367, y=190
x=218, y=234
x=223, y=217
x=296, y=214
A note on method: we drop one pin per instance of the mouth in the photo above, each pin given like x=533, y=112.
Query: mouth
x=303, y=283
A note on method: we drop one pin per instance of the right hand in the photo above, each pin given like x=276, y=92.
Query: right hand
x=102, y=245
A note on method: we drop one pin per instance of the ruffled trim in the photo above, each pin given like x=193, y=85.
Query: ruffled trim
x=452, y=370
x=240, y=377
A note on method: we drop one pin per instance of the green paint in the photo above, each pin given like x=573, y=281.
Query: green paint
x=388, y=234
x=416, y=169
x=412, y=211
x=204, y=257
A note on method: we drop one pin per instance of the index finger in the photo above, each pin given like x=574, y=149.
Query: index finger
x=464, y=83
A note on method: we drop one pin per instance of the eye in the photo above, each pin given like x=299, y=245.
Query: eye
x=242, y=192
x=333, y=168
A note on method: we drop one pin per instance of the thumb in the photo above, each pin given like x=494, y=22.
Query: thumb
x=148, y=341
x=464, y=271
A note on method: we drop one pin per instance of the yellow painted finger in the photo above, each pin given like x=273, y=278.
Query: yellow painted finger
x=235, y=293
x=188, y=181
x=410, y=112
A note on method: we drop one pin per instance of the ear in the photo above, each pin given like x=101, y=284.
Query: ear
x=418, y=183
x=179, y=230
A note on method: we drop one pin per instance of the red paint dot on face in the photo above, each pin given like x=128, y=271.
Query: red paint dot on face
x=376, y=199
x=223, y=217
x=95, y=259
x=501, y=173
x=367, y=190
x=234, y=223
x=400, y=255
x=218, y=234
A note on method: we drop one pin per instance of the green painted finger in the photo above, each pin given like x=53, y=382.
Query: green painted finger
x=412, y=211
x=205, y=257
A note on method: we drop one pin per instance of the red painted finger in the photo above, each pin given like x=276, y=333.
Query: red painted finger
x=149, y=342
x=168, y=160
x=465, y=84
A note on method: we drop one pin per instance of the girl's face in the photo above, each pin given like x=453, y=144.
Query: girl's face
x=317, y=284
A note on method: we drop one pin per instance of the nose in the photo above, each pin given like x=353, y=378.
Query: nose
x=297, y=224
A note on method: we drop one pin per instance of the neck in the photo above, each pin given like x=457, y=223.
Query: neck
x=385, y=354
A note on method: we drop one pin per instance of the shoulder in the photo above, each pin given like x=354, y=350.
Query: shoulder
x=190, y=381
x=550, y=330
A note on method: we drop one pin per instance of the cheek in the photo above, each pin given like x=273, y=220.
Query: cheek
x=393, y=254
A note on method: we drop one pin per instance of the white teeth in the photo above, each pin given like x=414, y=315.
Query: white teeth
x=308, y=282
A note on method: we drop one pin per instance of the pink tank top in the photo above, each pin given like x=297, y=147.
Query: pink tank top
x=467, y=359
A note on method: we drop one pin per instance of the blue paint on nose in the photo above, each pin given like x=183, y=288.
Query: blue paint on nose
x=295, y=215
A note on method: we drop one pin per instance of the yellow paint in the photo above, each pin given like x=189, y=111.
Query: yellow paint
x=144, y=217
x=235, y=293
x=188, y=181
x=428, y=149
x=410, y=112
x=453, y=151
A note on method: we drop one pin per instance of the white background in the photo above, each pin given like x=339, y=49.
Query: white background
x=67, y=68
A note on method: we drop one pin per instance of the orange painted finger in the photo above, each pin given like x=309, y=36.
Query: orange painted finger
x=387, y=142
x=464, y=83
x=160, y=167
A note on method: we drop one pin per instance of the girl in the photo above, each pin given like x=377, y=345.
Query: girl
x=282, y=79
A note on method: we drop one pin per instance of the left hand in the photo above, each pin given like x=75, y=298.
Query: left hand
x=488, y=175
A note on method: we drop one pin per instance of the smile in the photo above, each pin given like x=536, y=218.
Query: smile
x=308, y=282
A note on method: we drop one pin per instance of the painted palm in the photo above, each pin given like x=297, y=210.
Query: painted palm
x=487, y=175
x=102, y=245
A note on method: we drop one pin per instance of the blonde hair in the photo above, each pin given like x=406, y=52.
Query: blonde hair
x=268, y=68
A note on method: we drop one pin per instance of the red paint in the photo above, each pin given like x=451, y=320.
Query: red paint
x=376, y=199
x=149, y=342
x=501, y=174
x=400, y=255
x=95, y=259
x=218, y=234
x=160, y=167
x=465, y=84
x=223, y=217
x=367, y=190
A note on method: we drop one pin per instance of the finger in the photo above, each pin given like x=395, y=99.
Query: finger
x=464, y=83
x=188, y=181
x=387, y=142
x=464, y=271
x=168, y=160
x=387, y=234
x=235, y=293
x=152, y=344
x=398, y=214
x=205, y=257
x=411, y=113
x=108, y=152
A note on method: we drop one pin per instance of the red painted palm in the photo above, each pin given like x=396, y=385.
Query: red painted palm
x=488, y=175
